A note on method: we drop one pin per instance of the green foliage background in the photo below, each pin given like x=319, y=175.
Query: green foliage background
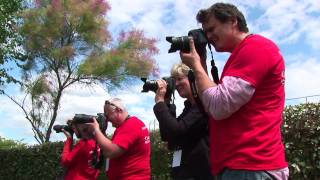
x=301, y=132
x=9, y=39
x=19, y=161
x=302, y=140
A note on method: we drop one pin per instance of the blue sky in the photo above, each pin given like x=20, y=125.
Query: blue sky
x=294, y=25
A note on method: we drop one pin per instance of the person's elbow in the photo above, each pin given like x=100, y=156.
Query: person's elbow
x=221, y=112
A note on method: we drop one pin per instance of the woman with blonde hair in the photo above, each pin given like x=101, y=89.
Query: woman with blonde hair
x=187, y=134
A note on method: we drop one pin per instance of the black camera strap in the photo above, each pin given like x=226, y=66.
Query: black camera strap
x=194, y=90
x=97, y=157
x=191, y=77
x=214, y=69
x=195, y=94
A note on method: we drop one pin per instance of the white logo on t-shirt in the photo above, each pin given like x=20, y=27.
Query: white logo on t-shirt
x=147, y=139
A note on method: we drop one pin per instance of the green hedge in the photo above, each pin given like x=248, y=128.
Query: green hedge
x=301, y=132
x=160, y=158
x=43, y=161
x=302, y=140
x=36, y=162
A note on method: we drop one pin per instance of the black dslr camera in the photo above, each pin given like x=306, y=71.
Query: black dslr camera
x=182, y=43
x=81, y=119
x=151, y=85
x=58, y=128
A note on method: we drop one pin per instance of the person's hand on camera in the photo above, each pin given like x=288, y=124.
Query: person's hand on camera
x=191, y=59
x=66, y=133
x=94, y=126
x=161, y=91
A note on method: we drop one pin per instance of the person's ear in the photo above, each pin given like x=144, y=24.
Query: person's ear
x=234, y=21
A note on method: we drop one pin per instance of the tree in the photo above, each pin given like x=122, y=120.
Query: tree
x=9, y=38
x=8, y=144
x=66, y=43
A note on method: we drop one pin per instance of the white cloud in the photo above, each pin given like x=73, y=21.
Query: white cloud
x=77, y=99
x=302, y=78
x=312, y=33
x=82, y=100
x=288, y=21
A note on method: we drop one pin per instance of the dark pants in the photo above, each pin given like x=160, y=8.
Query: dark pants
x=181, y=173
x=211, y=178
x=229, y=174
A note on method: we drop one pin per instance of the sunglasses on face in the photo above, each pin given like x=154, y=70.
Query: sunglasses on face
x=112, y=106
x=109, y=103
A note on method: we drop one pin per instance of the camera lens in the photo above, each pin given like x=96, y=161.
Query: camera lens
x=179, y=43
x=150, y=85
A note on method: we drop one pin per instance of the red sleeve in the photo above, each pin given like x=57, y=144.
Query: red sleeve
x=127, y=135
x=69, y=155
x=251, y=64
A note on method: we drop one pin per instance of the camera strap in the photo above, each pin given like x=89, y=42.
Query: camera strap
x=214, y=69
x=97, y=157
x=194, y=90
x=195, y=94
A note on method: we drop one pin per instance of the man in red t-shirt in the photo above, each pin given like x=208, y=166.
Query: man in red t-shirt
x=77, y=159
x=246, y=106
x=129, y=150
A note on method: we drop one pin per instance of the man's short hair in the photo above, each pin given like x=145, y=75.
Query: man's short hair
x=223, y=12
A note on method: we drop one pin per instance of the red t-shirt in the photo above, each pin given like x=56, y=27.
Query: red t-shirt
x=250, y=139
x=134, y=163
x=76, y=160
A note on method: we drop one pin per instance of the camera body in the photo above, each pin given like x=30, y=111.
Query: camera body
x=81, y=119
x=58, y=128
x=182, y=43
x=151, y=85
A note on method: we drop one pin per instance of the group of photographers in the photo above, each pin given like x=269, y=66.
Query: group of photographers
x=127, y=153
x=229, y=130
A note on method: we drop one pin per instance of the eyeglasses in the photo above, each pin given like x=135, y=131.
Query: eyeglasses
x=109, y=103
x=113, y=107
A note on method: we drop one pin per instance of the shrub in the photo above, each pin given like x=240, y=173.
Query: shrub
x=302, y=140
x=43, y=161
x=301, y=132
x=34, y=162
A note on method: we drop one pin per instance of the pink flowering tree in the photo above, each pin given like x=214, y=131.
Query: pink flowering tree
x=67, y=42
